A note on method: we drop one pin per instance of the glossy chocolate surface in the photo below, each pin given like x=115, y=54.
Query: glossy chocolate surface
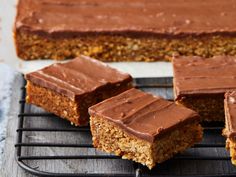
x=142, y=114
x=79, y=76
x=196, y=75
x=126, y=16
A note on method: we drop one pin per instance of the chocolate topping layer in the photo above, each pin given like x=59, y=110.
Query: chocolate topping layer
x=142, y=114
x=158, y=17
x=77, y=77
x=230, y=114
x=195, y=75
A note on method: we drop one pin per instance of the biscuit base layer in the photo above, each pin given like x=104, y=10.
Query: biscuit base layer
x=106, y=47
x=110, y=138
x=76, y=111
x=209, y=107
x=231, y=146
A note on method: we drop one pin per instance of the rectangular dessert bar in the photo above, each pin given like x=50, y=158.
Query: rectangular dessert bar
x=124, y=30
x=200, y=84
x=68, y=89
x=142, y=127
x=230, y=124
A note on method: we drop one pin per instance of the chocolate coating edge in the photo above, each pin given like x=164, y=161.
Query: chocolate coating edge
x=192, y=118
x=88, y=83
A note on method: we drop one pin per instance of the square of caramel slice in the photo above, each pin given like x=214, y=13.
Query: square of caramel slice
x=200, y=84
x=69, y=89
x=142, y=127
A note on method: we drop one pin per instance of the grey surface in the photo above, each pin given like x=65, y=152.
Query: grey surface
x=7, y=75
x=176, y=167
x=9, y=165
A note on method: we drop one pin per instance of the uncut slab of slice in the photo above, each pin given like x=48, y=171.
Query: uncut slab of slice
x=68, y=89
x=142, y=127
x=230, y=124
x=200, y=84
x=115, y=31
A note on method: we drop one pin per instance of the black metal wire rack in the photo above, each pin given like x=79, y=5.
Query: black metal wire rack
x=161, y=86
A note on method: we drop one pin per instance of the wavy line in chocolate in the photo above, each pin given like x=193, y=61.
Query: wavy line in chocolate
x=143, y=114
x=196, y=75
x=76, y=77
x=157, y=17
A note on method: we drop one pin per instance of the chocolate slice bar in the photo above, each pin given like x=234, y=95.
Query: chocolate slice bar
x=124, y=30
x=230, y=124
x=200, y=84
x=68, y=89
x=142, y=127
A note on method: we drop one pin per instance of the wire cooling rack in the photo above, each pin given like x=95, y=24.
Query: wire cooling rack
x=62, y=157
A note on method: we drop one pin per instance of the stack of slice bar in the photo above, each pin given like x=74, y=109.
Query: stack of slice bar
x=129, y=122
x=142, y=127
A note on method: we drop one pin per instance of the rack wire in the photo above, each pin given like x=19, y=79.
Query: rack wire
x=138, y=170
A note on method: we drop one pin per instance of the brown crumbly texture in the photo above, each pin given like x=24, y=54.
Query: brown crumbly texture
x=210, y=107
x=76, y=111
x=110, y=138
x=31, y=46
x=229, y=130
x=231, y=146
